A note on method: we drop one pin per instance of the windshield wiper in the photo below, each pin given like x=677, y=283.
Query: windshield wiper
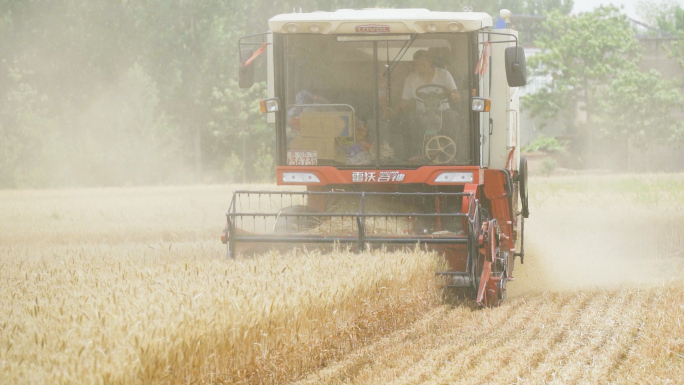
x=391, y=65
x=400, y=55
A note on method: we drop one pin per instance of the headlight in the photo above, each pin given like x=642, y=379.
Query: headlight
x=315, y=28
x=454, y=177
x=455, y=26
x=291, y=28
x=300, y=177
x=481, y=105
x=269, y=105
x=431, y=27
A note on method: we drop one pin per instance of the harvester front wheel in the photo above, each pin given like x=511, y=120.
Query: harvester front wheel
x=501, y=286
x=494, y=275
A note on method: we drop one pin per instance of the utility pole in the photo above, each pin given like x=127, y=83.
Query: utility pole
x=198, y=155
x=244, y=156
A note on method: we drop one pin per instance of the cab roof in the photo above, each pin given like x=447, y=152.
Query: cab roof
x=378, y=20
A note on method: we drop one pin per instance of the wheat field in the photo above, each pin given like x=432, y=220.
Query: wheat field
x=131, y=285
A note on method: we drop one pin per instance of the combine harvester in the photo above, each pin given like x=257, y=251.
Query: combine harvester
x=402, y=126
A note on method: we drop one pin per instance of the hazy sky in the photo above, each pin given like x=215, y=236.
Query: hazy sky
x=630, y=6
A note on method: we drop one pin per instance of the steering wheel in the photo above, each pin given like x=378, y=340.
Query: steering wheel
x=431, y=92
x=440, y=149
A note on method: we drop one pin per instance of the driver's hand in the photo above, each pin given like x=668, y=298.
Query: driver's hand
x=455, y=96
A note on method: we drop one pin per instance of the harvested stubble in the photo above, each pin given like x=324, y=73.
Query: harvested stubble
x=619, y=336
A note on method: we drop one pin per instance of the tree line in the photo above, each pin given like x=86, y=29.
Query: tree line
x=599, y=91
x=103, y=92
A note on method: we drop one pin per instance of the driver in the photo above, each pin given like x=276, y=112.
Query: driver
x=425, y=72
x=414, y=121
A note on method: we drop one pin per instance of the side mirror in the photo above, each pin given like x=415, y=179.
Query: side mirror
x=245, y=72
x=516, y=72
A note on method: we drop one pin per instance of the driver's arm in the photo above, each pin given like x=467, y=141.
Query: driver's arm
x=408, y=103
x=454, y=95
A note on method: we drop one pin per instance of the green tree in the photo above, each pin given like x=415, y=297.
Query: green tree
x=61, y=62
x=667, y=16
x=639, y=106
x=597, y=88
x=25, y=131
x=581, y=53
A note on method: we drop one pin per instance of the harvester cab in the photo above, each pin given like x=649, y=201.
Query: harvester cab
x=393, y=127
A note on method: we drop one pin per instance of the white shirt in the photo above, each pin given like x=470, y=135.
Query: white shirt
x=442, y=77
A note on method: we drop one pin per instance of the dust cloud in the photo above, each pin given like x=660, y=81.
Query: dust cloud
x=87, y=105
x=603, y=236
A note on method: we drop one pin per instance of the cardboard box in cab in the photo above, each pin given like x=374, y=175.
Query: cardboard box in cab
x=325, y=124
